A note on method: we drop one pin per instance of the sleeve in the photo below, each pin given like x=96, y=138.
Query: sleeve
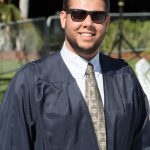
x=141, y=139
x=17, y=113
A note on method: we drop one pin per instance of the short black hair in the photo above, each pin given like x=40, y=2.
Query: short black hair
x=66, y=5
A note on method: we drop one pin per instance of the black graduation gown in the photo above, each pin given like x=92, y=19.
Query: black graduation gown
x=43, y=109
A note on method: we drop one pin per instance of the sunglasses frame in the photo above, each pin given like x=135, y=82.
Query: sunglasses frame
x=86, y=13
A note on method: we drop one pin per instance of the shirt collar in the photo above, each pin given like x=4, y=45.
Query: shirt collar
x=76, y=64
x=96, y=63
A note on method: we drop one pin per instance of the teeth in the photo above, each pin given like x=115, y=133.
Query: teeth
x=87, y=34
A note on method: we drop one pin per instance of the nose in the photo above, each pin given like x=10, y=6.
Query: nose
x=88, y=21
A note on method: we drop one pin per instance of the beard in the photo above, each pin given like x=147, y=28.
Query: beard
x=81, y=49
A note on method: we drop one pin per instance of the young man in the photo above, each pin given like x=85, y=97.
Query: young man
x=47, y=105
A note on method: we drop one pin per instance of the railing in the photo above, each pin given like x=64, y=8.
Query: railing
x=55, y=34
x=20, y=42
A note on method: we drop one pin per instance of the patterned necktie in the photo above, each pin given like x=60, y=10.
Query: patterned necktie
x=95, y=105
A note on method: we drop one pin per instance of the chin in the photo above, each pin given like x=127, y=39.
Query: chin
x=88, y=56
x=87, y=49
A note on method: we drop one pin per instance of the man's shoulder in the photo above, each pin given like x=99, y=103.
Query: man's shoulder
x=51, y=68
x=40, y=67
x=113, y=64
x=51, y=58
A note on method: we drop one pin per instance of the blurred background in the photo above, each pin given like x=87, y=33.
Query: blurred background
x=30, y=29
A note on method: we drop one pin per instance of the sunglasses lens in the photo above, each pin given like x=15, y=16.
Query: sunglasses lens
x=98, y=17
x=78, y=15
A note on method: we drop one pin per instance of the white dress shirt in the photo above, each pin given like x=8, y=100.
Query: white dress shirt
x=77, y=66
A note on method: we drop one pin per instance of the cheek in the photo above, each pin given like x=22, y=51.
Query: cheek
x=72, y=26
x=101, y=30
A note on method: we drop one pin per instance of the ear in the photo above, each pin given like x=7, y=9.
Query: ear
x=63, y=17
x=107, y=22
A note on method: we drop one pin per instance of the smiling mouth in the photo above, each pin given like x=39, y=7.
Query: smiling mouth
x=87, y=35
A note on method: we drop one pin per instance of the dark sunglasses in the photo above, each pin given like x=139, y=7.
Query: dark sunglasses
x=79, y=15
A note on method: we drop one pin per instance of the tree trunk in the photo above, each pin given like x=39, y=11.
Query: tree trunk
x=24, y=8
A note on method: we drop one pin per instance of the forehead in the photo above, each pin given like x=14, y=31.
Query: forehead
x=87, y=4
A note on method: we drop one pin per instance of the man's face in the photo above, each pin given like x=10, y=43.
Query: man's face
x=84, y=38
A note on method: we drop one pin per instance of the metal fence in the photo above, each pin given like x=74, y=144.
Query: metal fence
x=55, y=34
x=20, y=42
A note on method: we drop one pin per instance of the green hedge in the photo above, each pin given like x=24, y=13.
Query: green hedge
x=136, y=32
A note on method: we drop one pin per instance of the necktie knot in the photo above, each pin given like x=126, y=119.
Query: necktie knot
x=89, y=69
